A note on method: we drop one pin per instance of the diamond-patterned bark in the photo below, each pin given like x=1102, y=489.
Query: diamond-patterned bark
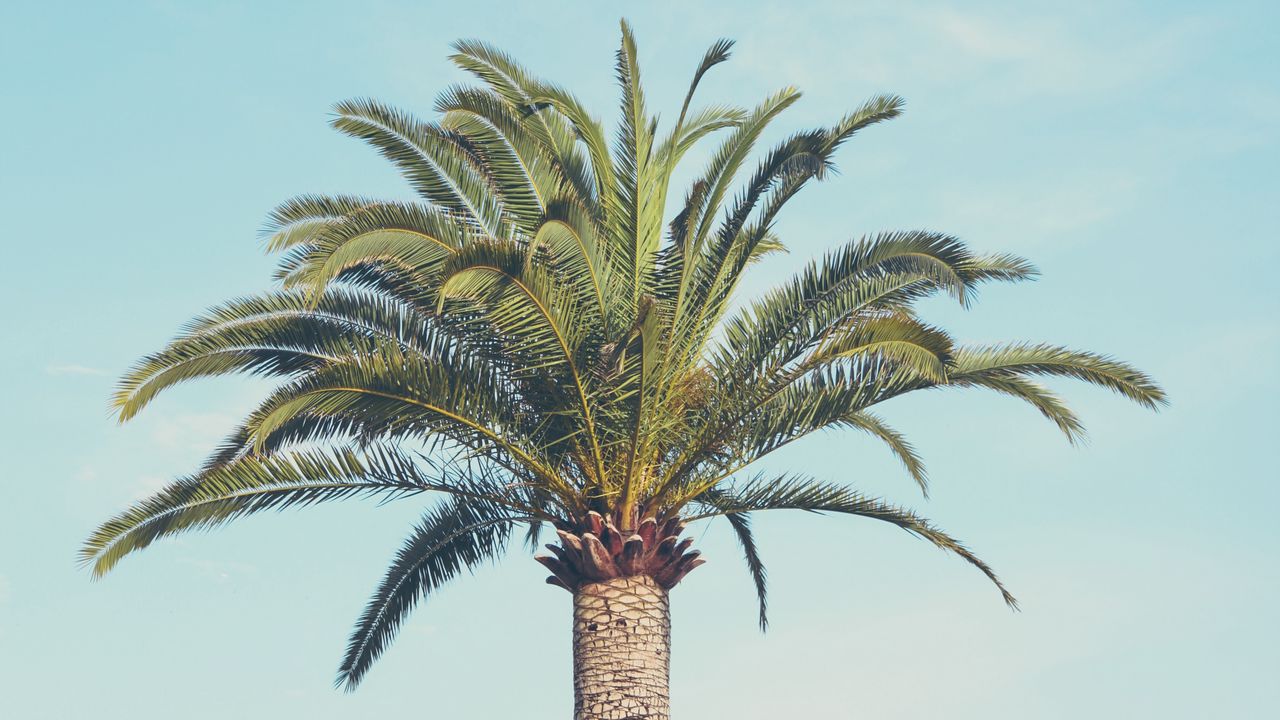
x=621, y=650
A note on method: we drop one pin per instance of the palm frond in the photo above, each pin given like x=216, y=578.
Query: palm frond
x=248, y=485
x=280, y=334
x=740, y=523
x=413, y=238
x=460, y=533
x=1023, y=359
x=300, y=219
x=542, y=142
x=389, y=394
x=1038, y=396
x=716, y=54
x=882, y=272
x=897, y=442
x=798, y=493
x=894, y=337
x=568, y=235
x=439, y=164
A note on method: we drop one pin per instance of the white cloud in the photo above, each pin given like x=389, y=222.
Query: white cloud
x=981, y=37
x=1209, y=379
x=1061, y=54
x=72, y=369
x=192, y=431
x=221, y=571
x=1032, y=212
x=1016, y=53
x=149, y=485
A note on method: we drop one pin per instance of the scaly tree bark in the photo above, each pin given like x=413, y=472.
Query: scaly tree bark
x=621, y=650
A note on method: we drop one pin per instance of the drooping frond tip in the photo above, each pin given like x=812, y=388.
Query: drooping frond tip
x=800, y=493
x=462, y=533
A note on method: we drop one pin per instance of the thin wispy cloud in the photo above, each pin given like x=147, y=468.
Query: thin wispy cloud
x=73, y=369
x=192, y=431
x=1036, y=213
x=1022, y=55
x=1051, y=56
x=221, y=571
x=149, y=485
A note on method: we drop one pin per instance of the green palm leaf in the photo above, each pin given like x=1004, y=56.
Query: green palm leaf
x=795, y=493
x=248, y=485
x=460, y=533
x=1023, y=359
x=437, y=163
x=740, y=523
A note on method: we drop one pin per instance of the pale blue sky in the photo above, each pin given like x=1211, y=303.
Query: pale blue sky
x=1130, y=149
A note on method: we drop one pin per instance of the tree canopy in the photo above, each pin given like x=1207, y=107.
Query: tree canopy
x=540, y=341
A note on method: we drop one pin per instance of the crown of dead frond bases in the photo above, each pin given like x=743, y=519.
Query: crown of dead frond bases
x=598, y=551
x=535, y=339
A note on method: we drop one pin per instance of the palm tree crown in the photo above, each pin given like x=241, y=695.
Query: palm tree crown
x=536, y=340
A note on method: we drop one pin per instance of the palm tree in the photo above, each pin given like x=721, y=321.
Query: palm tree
x=533, y=340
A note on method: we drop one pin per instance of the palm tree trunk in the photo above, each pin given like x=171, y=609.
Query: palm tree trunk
x=621, y=650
